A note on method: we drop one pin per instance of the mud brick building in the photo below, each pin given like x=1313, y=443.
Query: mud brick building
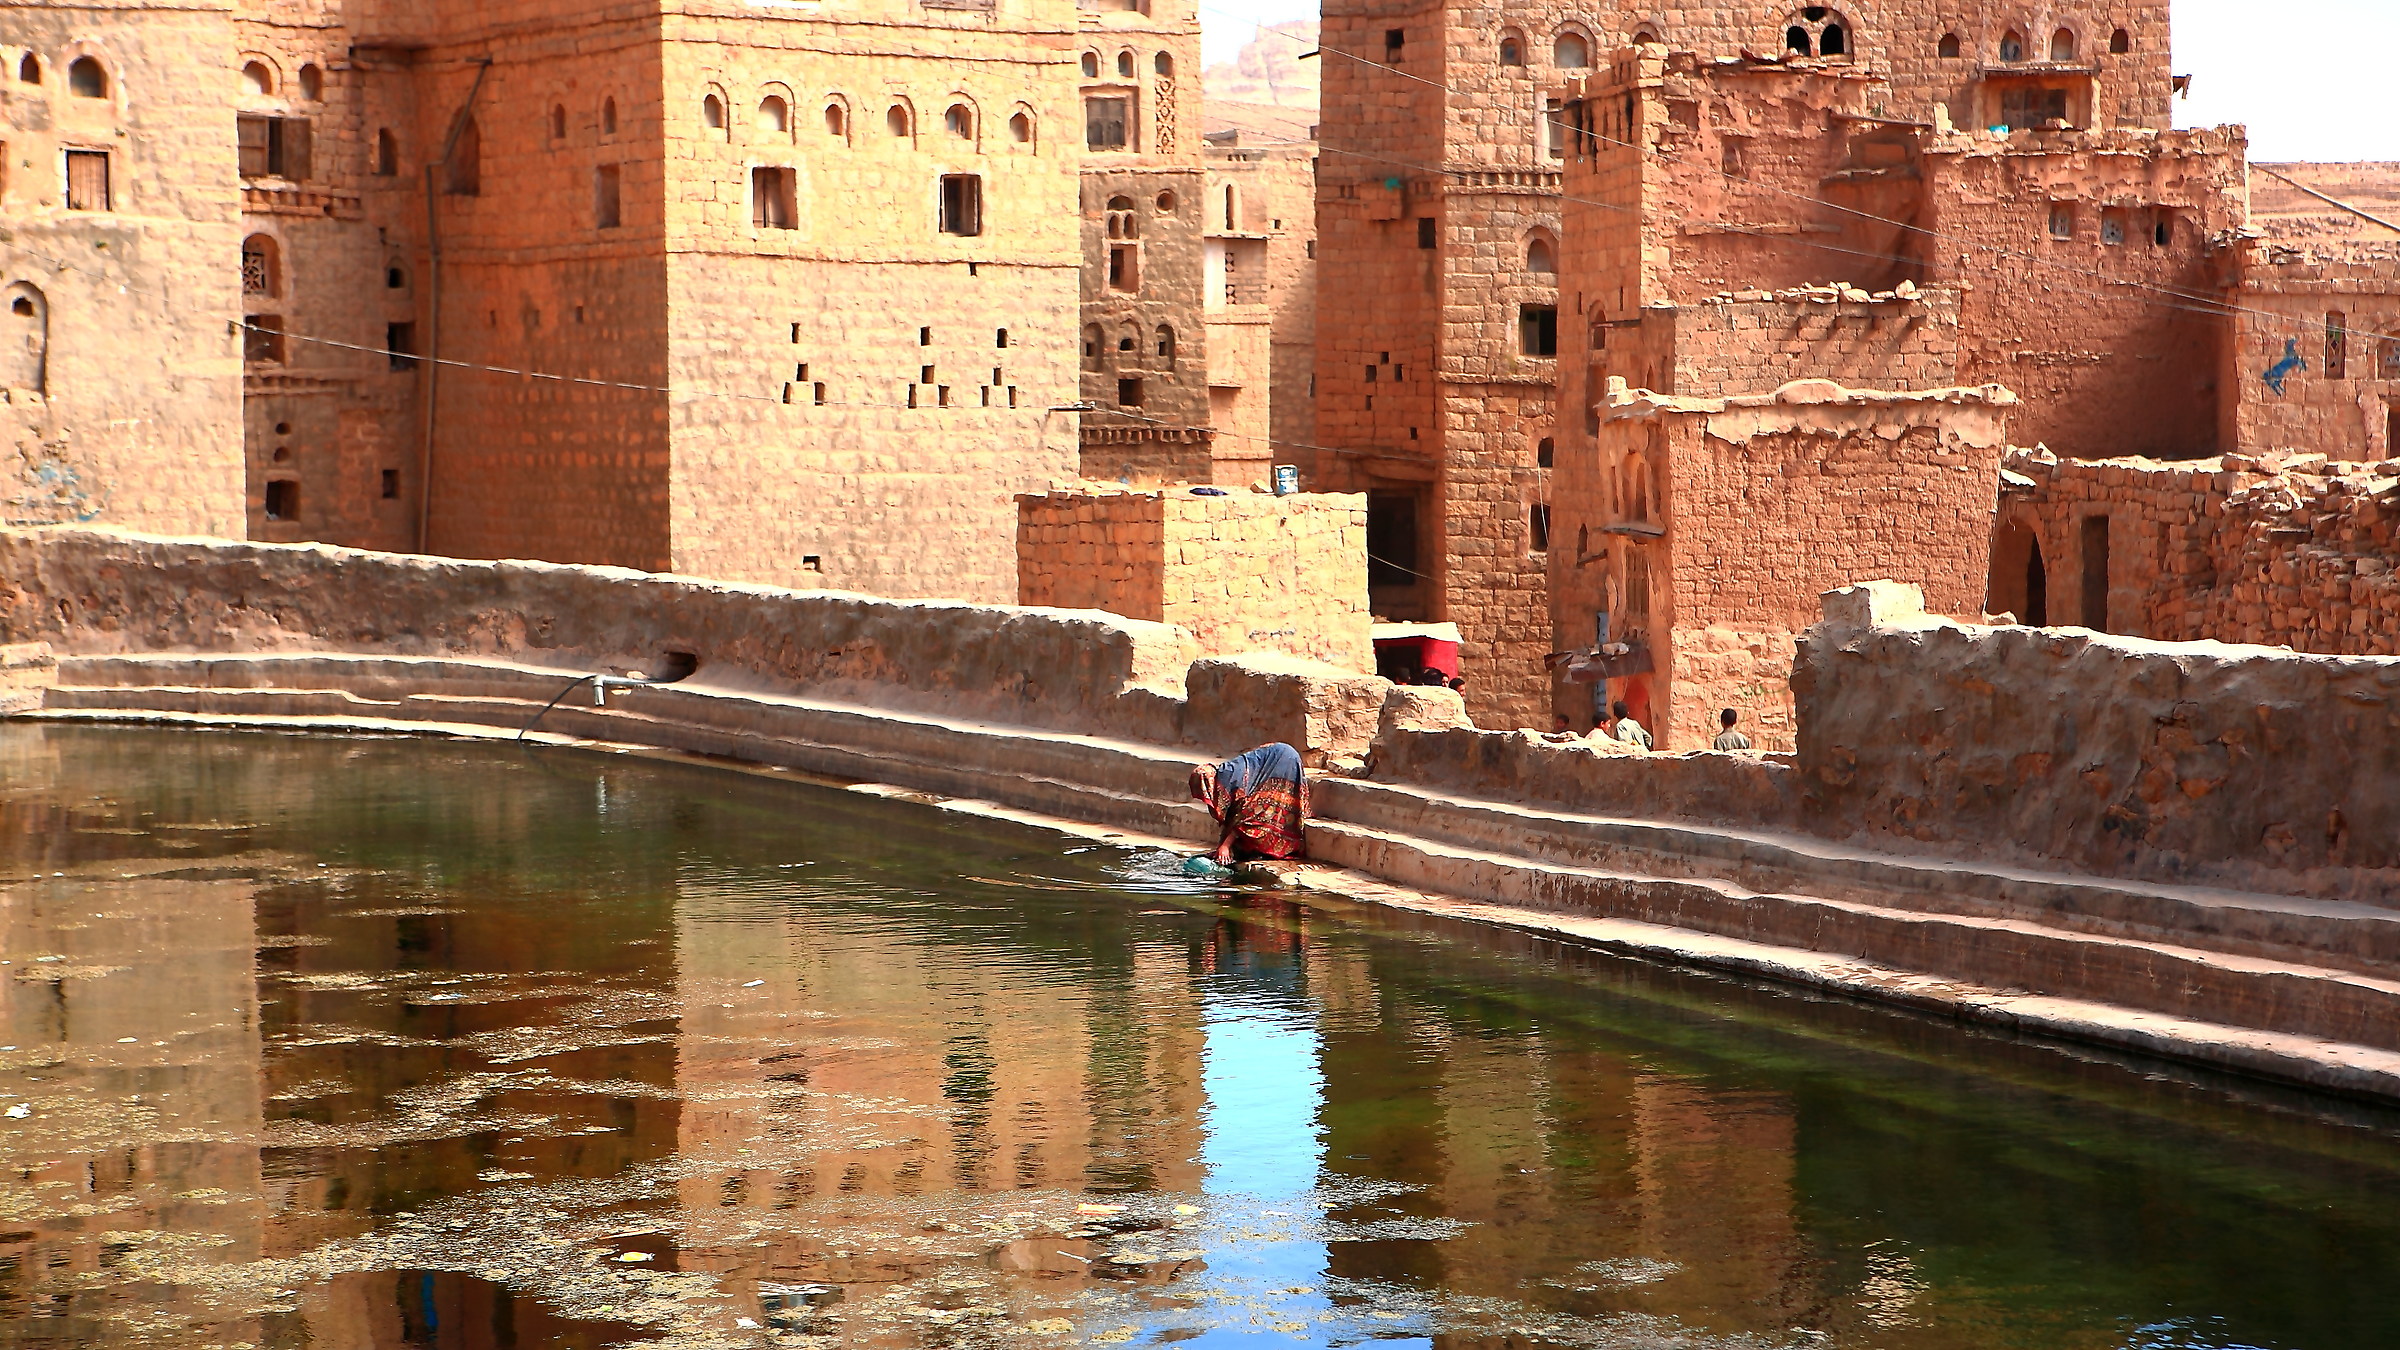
x=1261, y=237
x=1440, y=224
x=747, y=292
x=1144, y=342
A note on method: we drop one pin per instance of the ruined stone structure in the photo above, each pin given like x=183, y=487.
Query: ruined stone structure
x=1440, y=212
x=1244, y=572
x=1261, y=236
x=1144, y=344
x=2266, y=549
x=743, y=293
x=1694, y=535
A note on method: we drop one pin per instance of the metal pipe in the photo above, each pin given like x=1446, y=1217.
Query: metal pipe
x=433, y=303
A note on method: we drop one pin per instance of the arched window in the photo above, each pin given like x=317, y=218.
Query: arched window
x=1949, y=46
x=1571, y=52
x=2119, y=42
x=262, y=267
x=2062, y=45
x=775, y=115
x=387, y=153
x=86, y=78
x=465, y=170
x=1091, y=65
x=837, y=119
x=1122, y=223
x=1232, y=208
x=1091, y=346
x=896, y=118
x=395, y=277
x=2012, y=46
x=1817, y=31
x=558, y=121
x=25, y=350
x=312, y=83
x=959, y=121
x=1512, y=50
x=1125, y=64
x=1020, y=128
x=608, y=117
x=1545, y=453
x=257, y=79
x=1163, y=64
x=29, y=70
x=1540, y=257
x=1166, y=346
x=712, y=113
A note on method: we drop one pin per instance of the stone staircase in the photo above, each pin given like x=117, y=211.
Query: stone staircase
x=2288, y=987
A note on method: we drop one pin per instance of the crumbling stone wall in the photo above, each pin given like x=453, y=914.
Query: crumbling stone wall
x=2195, y=762
x=1243, y=572
x=2275, y=550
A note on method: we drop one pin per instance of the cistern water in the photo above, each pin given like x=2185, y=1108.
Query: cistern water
x=355, y=1042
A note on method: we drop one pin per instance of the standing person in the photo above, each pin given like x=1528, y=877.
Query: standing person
x=1260, y=802
x=1626, y=729
x=1729, y=739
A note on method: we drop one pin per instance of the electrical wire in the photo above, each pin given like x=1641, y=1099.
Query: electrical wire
x=2207, y=304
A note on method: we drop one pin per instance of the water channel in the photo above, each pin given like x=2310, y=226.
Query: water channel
x=347, y=1042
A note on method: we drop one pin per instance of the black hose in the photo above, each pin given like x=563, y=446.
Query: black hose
x=571, y=687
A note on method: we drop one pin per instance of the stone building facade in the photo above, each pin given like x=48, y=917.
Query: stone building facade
x=1440, y=221
x=717, y=289
x=1260, y=273
x=119, y=364
x=1695, y=535
x=1144, y=342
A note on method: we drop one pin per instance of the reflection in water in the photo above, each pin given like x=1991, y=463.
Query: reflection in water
x=399, y=1043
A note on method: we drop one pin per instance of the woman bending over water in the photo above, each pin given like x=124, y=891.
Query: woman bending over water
x=1259, y=800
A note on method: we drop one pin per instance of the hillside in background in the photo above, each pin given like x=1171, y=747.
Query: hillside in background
x=1266, y=90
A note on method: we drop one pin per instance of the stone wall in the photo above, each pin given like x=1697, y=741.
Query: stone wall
x=2272, y=549
x=1242, y=572
x=2193, y=762
x=2314, y=352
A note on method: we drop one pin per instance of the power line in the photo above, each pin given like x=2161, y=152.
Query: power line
x=2206, y=304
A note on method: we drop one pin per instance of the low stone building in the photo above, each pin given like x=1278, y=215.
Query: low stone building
x=1242, y=571
x=1690, y=541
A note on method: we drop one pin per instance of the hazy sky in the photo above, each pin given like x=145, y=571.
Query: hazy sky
x=2311, y=84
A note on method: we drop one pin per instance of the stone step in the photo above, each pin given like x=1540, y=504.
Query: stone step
x=2338, y=934
x=2178, y=981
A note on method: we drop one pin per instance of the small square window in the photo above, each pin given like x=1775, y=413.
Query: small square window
x=2062, y=221
x=87, y=181
x=283, y=499
x=1107, y=123
x=1124, y=267
x=607, y=200
x=400, y=345
x=391, y=485
x=1537, y=330
x=262, y=339
x=774, y=198
x=962, y=204
x=1129, y=393
x=1428, y=232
